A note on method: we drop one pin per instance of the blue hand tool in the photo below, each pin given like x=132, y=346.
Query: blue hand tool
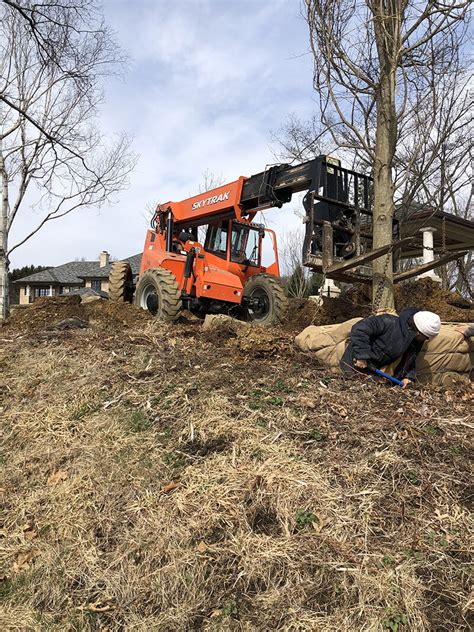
x=386, y=376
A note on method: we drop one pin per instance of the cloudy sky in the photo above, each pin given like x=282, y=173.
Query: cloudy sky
x=208, y=82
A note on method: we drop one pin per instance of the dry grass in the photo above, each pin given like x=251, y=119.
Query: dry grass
x=160, y=479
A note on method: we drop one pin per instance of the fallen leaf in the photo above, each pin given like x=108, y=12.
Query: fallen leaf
x=201, y=547
x=30, y=534
x=320, y=522
x=23, y=560
x=57, y=477
x=339, y=409
x=215, y=613
x=169, y=487
x=306, y=402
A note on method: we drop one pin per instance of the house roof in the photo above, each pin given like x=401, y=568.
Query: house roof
x=88, y=291
x=74, y=272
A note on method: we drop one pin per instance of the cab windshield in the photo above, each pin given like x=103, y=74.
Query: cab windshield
x=244, y=242
x=244, y=246
x=216, y=239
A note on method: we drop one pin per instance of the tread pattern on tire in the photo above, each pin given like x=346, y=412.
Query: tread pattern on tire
x=119, y=278
x=280, y=301
x=170, y=302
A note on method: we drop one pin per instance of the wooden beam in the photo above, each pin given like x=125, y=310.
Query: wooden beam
x=417, y=248
x=351, y=277
x=328, y=245
x=316, y=264
x=366, y=257
x=426, y=267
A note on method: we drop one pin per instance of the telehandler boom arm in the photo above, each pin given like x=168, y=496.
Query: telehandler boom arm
x=333, y=194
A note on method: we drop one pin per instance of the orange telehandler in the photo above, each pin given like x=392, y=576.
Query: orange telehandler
x=225, y=272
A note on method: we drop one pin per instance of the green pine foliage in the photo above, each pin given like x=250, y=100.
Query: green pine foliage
x=19, y=273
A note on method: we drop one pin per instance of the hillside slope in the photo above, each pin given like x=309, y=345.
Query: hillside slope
x=160, y=478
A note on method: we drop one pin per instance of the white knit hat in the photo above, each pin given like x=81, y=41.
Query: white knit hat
x=427, y=323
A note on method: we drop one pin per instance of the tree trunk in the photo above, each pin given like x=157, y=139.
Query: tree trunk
x=382, y=288
x=3, y=240
x=3, y=286
x=386, y=28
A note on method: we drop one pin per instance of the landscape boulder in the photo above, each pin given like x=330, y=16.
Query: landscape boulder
x=91, y=298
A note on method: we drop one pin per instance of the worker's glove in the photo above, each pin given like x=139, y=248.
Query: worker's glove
x=360, y=364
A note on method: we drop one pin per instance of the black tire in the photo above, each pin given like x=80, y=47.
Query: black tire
x=121, y=282
x=158, y=292
x=273, y=302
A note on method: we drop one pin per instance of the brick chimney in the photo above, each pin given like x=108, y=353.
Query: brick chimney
x=104, y=259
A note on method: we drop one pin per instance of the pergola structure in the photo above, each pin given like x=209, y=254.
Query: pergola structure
x=436, y=236
x=434, y=233
x=450, y=233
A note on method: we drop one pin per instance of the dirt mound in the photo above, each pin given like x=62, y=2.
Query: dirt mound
x=355, y=303
x=301, y=313
x=427, y=294
x=113, y=315
x=304, y=312
x=45, y=312
x=257, y=340
x=221, y=330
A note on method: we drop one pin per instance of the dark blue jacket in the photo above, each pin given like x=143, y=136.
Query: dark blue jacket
x=381, y=340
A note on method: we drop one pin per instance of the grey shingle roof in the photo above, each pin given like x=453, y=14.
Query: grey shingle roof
x=88, y=291
x=75, y=272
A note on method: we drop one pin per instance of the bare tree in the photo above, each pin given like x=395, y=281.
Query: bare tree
x=301, y=140
x=372, y=59
x=210, y=181
x=298, y=278
x=53, y=159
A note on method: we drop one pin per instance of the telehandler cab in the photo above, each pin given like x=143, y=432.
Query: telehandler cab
x=225, y=272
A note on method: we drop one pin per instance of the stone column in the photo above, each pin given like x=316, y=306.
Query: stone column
x=51, y=290
x=329, y=290
x=428, y=253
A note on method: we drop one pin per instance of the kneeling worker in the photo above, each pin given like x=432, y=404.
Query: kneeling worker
x=379, y=340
